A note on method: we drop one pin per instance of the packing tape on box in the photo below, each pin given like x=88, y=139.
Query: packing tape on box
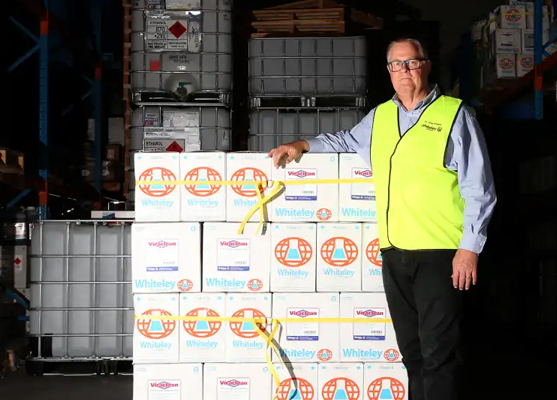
x=275, y=324
x=275, y=186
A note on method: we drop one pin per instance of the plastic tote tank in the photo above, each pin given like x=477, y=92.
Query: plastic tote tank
x=269, y=128
x=81, y=302
x=308, y=66
x=196, y=44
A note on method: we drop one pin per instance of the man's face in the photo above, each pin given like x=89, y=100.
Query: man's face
x=407, y=79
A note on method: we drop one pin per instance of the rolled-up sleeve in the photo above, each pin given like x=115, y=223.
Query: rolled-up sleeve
x=471, y=161
x=355, y=140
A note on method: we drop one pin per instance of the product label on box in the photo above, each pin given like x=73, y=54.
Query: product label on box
x=359, y=191
x=166, y=34
x=162, y=255
x=373, y=330
x=233, y=389
x=301, y=192
x=301, y=331
x=180, y=119
x=164, y=390
x=233, y=255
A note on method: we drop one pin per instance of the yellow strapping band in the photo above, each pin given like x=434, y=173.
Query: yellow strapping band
x=274, y=323
x=275, y=186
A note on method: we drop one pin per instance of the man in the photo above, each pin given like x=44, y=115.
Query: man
x=435, y=197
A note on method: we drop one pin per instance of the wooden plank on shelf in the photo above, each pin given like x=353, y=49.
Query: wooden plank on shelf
x=301, y=14
x=12, y=161
x=305, y=4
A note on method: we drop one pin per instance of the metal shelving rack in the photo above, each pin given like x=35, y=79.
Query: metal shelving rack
x=53, y=34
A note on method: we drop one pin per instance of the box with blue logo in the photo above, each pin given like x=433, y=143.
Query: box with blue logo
x=362, y=341
x=236, y=382
x=372, y=261
x=356, y=200
x=342, y=381
x=234, y=262
x=168, y=381
x=166, y=257
x=302, y=200
x=202, y=340
x=386, y=381
x=159, y=201
x=293, y=257
x=243, y=340
x=156, y=333
x=304, y=339
x=240, y=199
x=203, y=201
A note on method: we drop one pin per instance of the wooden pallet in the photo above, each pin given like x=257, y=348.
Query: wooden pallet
x=299, y=21
x=306, y=4
x=11, y=162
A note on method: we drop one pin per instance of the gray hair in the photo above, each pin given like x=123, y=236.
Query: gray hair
x=417, y=44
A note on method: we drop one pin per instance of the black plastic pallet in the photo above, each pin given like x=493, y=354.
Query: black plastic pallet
x=71, y=367
x=205, y=97
x=308, y=101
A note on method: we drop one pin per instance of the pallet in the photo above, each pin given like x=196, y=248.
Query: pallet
x=11, y=162
x=306, y=4
x=299, y=21
x=164, y=97
x=309, y=102
x=75, y=367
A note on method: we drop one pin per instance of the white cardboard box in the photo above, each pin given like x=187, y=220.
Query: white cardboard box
x=203, y=202
x=293, y=259
x=530, y=18
x=156, y=340
x=167, y=381
x=312, y=341
x=245, y=166
x=309, y=202
x=236, y=382
x=234, y=262
x=385, y=381
x=202, y=341
x=511, y=16
x=166, y=257
x=157, y=202
x=524, y=64
x=506, y=41
x=339, y=263
x=243, y=342
x=373, y=341
x=505, y=65
x=297, y=381
x=341, y=381
x=356, y=200
x=372, y=262
x=528, y=40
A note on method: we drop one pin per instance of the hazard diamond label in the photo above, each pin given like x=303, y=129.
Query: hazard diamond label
x=177, y=29
x=17, y=261
x=174, y=146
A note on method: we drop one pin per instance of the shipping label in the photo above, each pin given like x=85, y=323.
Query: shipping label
x=162, y=255
x=373, y=330
x=233, y=255
x=301, y=192
x=301, y=331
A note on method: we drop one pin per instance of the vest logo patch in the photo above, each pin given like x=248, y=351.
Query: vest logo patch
x=432, y=126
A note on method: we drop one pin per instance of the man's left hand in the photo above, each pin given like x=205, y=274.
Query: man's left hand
x=465, y=267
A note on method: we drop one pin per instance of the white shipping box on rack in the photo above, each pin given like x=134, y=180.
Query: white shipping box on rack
x=309, y=202
x=202, y=341
x=293, y=257
x=167, y=381
x=243, y=341
x=297, y=381
x=157, y=202
x=356, y=200
x=166, y=257
x=240, y=199
x=385, y=381
x=511, y=16
x=341, y=381
x=307, y=341
x=236, y=382
x=372, y=261
x=339, y=260
x=235, y=262
x=156, y=340
x=374, y=341
x=203, y=201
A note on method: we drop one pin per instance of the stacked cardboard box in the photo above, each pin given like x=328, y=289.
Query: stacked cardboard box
x=317, y=256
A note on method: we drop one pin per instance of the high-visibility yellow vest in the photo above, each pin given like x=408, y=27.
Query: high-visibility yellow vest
x=419, y=205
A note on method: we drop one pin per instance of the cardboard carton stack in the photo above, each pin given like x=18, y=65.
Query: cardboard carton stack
x=316, y=257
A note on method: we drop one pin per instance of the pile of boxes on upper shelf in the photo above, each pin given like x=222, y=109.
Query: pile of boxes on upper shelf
x=504, y=42
x=302, y=86
x=316, y=256
x=181, y=76
x=112, y=168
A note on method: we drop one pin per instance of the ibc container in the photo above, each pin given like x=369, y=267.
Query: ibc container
x=308, y=66
x=225, y=5
x=81, y=289
x=270, y=128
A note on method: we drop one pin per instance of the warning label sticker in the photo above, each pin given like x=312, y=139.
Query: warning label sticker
x=166, y=34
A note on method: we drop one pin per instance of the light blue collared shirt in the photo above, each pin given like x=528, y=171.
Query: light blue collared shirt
x=466, y=154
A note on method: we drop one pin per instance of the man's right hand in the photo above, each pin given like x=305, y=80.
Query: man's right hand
x=289, y=150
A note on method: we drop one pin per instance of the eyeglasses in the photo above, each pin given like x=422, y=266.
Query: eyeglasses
x=414, y=63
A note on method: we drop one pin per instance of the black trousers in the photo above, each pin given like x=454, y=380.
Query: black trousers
x=426, y=312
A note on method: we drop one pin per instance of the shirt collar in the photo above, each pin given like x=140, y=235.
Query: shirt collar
x=432, y=95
